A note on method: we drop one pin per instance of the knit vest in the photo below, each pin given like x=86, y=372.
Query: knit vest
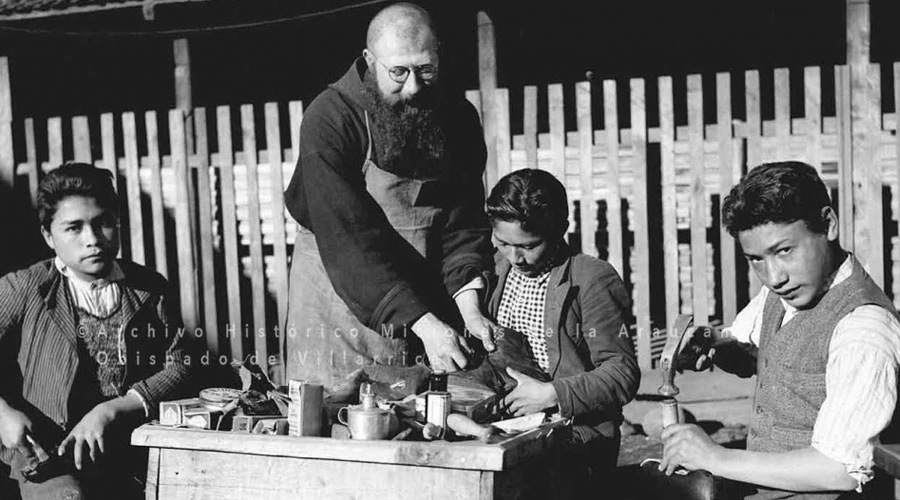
x=790, y=386
x=101, y=360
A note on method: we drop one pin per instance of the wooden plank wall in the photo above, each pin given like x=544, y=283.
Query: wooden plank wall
x=646, y=160
x=670, y=164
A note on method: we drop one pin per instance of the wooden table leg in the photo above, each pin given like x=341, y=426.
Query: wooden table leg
x=151, y=488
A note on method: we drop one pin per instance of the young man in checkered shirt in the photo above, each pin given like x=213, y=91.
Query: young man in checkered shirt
x=573, y=309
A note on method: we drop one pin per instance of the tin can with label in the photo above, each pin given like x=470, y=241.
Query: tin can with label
x=669, y=410
x=437, y=407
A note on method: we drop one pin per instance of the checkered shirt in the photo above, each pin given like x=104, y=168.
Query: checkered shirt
x=522, y=309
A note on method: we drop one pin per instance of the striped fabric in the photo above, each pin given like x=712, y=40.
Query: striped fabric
x=37, y=315
x=860, y=381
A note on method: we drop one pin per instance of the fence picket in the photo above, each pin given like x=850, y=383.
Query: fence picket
x=586, y=168
x=812, y=87
x=54, y=143
x=295, y=108
x=845, y=169
x=728, y=175
x=474, y=98
x=698, y=200
x=257, y=271
x=184, y=234
x=81, y=139
x=206, y=220
x=34, y=168
x=529, y=126
x=7, y=156
x=229, y=233
x=782, y=115
x=279, y=264
x=754, y=147
x=640, y=276
x=156, y=198
x=504, y=144
x=108, y=145
x=133, y=188
x=557, y=118
x=896, y=170
x=867, y=200
x=670, y=227
x=613, y=193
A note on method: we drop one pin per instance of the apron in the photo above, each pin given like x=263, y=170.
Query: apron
x=323, y=341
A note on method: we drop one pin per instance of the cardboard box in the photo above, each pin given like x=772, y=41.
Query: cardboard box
x=246, y=423
x=305, y=409
x=201, y=418
x=172, y=412
x=276, y=426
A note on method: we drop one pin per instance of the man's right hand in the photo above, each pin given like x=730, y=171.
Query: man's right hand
x=15, y=429
x=444, y=346
x=696, y=350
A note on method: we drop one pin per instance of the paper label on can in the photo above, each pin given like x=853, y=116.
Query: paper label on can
x=437, y=407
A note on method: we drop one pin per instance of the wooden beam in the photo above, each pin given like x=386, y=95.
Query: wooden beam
x=183, y=94
x=86, y=9
x=7, y=160
x=865, y=112
x=487, y=82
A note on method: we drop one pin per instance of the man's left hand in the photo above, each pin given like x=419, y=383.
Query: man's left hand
x=94, y=427
x=90, y=432
x=689, y=446
x=529, y=396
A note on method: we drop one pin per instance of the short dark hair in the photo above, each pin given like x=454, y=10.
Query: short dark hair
x=779, y=192
x=74, y=179
x=534, y=198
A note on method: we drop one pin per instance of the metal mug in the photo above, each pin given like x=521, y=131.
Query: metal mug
x=365, y=423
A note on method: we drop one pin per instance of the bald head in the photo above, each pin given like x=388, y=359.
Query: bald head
x=403, y=23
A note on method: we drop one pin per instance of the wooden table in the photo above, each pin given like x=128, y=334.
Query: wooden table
x=199, y=464
x=887, y=458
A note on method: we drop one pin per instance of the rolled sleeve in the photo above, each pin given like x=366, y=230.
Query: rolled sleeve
x=861, y=387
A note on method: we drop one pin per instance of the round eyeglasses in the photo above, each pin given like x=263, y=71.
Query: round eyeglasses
x=399, y=74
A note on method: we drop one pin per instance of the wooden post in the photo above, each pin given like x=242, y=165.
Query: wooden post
x=487, y=82
x=183, y=96
x=729, y=174
x=669, y=203
x=699, y=209
x=7, y=161
x=865, y=111
x=184, y=231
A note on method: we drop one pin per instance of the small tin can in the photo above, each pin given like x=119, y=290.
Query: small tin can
x=669, y=410
x=437, y=407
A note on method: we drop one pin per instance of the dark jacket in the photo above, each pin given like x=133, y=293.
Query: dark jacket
x=381, y=285
x=592, y=361
x=39, y=345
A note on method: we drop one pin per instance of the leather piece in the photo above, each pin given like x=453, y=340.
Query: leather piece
x=695, y=485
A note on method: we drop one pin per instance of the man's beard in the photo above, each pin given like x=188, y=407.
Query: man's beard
x=406, y=135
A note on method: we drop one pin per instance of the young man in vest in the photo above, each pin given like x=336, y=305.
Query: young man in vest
x=826, y=342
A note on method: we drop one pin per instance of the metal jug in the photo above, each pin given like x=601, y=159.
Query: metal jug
x=366, y=420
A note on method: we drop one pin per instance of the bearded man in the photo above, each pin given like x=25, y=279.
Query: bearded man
x=387, y=266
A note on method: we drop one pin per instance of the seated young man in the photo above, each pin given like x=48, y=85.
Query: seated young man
x=573, y=310
x=88, y=346
x=826, y=342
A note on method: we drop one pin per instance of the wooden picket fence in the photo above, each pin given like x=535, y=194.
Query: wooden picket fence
x=207, y=211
